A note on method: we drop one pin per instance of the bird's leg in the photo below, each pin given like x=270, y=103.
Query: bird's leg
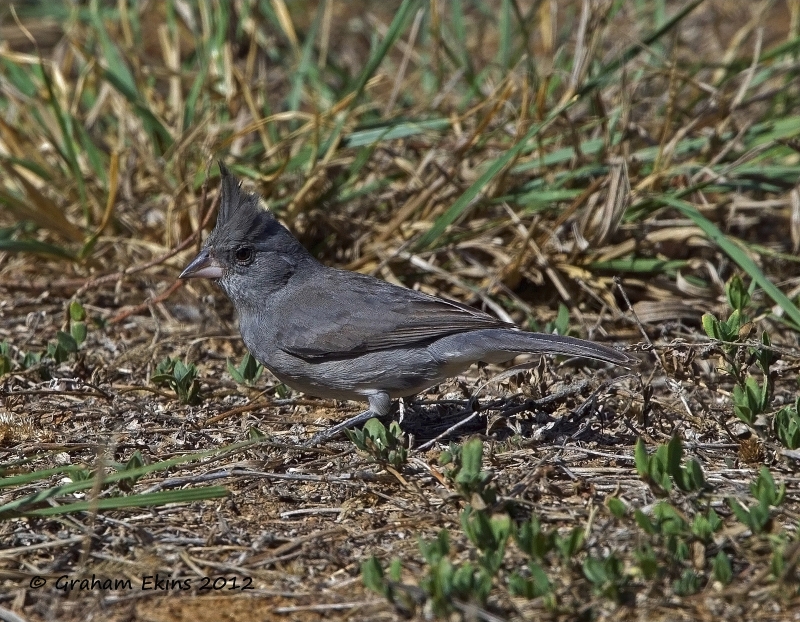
x=379, y=404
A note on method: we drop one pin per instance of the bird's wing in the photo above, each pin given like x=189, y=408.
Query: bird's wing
x=367, y=314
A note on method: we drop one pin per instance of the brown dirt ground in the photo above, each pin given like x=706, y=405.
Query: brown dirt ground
x=299, y=521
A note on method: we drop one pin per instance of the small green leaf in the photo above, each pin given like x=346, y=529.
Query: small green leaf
x=237, y=376
x=674, y=456
x=741, y=405
x=5, y=358
x=30, y=359
x=722, y=568
x=562, y=319
x=471, y=459
x=78, y=331
x=76, y=311
x=647, y=561
x=616, y=506
x=731, y=328
x=376, y=430
x=594, y=570
x=641, y=459
x=711, y=326
x=395, y=570
x=644, y=522
x=372, y=576
x=696, y=479
x=688, y=584
x=254, y=434
x=165, y=367
x=66, y=342
x=735, y=291
x=741, y=513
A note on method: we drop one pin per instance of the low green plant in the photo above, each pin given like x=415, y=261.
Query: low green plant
x=67, y=343
x=569, y=545
x=729, y=332
x=536, y=585
x=539, y=544
x=6, y=364
x=533, y=540
x=665, y=466
x=673, y=535
x=786, y=425
x=721, y=568
x=464, y=470
x=133, y=465
x=375, y=579
x=670, y=527
x=62, y=348
x=606, y=575
x=751, y=395
x=782, y=560
x=489, y=535
x=687, y=584
x=704, y=526
x=444, y=582
x=384, y=446
x=247, y=372
x=750, y=399
x=647, y=562
x=180, y=377
x=767, y=495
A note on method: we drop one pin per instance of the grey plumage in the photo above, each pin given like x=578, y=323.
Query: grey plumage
x=334, y=333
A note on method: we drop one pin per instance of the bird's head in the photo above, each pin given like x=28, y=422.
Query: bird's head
x=249, y=253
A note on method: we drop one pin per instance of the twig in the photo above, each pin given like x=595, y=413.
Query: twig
x=329, y=607
x=114, y=276
x=146, y=304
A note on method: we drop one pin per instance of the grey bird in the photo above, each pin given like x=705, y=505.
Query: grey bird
x=339, y=334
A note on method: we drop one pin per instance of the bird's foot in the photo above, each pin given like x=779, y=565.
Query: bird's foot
x=328, y=434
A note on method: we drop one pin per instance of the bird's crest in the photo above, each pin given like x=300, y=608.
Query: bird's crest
x=242, y=217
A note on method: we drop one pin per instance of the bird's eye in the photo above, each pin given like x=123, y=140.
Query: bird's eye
x=244, y=254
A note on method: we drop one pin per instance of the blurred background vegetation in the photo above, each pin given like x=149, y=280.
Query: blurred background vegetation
x=507, y=153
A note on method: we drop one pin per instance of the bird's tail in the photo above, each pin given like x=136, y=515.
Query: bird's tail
x=542, y=343
x=497, y=345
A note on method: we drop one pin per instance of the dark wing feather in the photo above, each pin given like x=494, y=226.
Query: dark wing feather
x=366, y=314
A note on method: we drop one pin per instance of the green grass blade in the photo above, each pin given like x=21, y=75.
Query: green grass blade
x=36, y=248
x=116, y=72
x=68, y=144
x=27, y=478
x=737, y=255
x=19, y=505
x=468, y=198
x=305, y=67
x=135, y=501
x=401, y=18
